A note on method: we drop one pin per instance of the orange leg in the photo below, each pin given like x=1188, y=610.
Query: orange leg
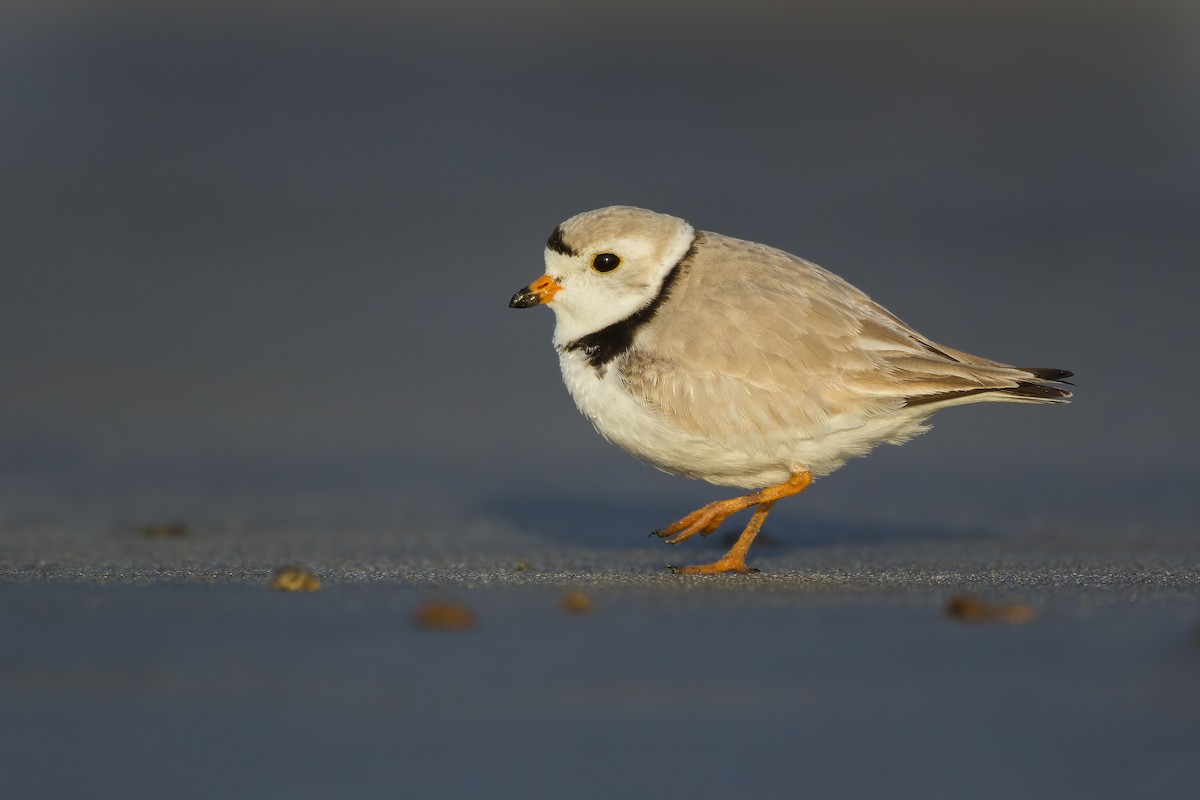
x=707, y=519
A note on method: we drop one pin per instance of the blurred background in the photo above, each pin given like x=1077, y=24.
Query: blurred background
x=258, y=252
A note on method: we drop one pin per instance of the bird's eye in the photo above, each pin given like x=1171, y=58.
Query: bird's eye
x=606, y=262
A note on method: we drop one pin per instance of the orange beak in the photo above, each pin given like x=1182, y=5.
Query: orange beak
x=540, y=291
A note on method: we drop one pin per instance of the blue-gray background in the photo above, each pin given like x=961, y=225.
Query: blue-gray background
x=257, y=244
x=255, y=260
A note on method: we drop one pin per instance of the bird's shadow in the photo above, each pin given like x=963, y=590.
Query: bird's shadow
x=615, y=525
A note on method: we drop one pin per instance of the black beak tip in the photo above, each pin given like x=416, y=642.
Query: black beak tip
x=524, y=299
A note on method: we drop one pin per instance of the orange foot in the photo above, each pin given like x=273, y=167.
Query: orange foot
x=703, y=520
x=715, y=568
x=707, y=519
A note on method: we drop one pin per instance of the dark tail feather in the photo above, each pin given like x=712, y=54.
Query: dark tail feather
x=1047, y=374
x=1039, y=391
x=1034, y=391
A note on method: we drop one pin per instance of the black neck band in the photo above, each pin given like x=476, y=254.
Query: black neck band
x=608, y=343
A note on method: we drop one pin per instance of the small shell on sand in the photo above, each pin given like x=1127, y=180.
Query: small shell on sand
x=576, y=603
x=969, y=608
x=294, y=579
x=441, y=615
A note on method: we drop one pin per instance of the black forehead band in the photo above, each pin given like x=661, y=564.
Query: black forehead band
x=559, y=245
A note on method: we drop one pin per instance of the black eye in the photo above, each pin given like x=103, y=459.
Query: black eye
x=606, y=262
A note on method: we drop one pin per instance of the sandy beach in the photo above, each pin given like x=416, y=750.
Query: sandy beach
x=152, y=665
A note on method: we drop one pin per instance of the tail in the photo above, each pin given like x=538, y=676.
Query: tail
x=1016, y=384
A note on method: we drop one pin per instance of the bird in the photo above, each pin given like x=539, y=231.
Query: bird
x=740, y=364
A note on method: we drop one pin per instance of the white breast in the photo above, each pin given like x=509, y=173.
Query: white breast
x=628, y=423
x=621, y=419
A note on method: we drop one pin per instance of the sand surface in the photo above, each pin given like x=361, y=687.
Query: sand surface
x=146, y=667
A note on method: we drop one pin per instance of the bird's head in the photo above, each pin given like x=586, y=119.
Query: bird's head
x=603, y=265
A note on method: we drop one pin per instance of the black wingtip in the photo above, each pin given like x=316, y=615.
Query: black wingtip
x=1049, y=374
x=1036, y=390
x=1039, y=391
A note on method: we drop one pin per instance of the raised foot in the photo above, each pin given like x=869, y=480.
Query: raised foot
x=707, y=519
x=715, y=568
x=702, y=521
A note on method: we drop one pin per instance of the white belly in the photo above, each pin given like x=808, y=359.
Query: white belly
x=623, y=420
x=626, y=422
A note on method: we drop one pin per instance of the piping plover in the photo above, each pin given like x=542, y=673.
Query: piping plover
x=740, y=364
